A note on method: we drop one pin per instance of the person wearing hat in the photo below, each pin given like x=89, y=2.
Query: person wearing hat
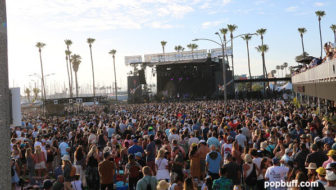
x=332, y=158
x=331, y=181
x=227, y=147
x=299, y=157
x=276, y=173
x=321, y=174
x=311, y=171
x=249, y=172
x=135, y=148
x=316, y=156
x=162, y=185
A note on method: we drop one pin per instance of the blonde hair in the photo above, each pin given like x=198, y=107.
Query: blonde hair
x=92, y=150
x=161, y=153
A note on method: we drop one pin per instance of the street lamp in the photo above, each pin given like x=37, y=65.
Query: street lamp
x=223, y=46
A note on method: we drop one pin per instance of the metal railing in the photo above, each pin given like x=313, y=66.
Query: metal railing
x=323, y=72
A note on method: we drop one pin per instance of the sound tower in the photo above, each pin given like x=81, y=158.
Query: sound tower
x=142, y=76
x=134, y=89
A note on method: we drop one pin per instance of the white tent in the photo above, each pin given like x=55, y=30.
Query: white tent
x=287, y=86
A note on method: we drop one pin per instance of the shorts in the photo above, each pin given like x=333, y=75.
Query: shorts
x=39, y=166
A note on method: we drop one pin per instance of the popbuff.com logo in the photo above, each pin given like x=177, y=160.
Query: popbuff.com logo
x=286, y=184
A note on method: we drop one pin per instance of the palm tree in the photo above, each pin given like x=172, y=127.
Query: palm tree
x=40, y=45
x=261, y=32
x=36, y=91
x=178, y=48
x=224, y=32
x=76, y=60
x=248, y=37
x=282, y=68
x=27, y=92
x=67, y=54
x=232, y=28
x=163, y=44
x=302, y=31
x=263, y=49
x=113, y=52
x=333, y=28
x=192, y=47
x=90, y=42
x=320, y=14
x=68, y=43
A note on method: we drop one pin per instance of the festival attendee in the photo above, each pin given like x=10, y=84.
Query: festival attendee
x=276, y=173
x=106, y=170
x=147, y=181
x=132, y=171
x=162, y=166
x=213, y=162
x=223, y=183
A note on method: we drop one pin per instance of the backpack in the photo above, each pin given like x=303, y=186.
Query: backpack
x=134, y=171
x=252, y=178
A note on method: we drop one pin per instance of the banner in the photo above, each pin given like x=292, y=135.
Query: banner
x=176, y=56
x=217, y=52
x=133, y=59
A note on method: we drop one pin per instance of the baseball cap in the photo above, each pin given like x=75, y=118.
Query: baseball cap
x=275, y=160
x=138, y=154
x=331, y=176
x=331, y=166
x=47, y=184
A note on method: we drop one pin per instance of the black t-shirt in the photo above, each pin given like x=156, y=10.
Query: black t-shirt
x=317, y=157
x=233, y=169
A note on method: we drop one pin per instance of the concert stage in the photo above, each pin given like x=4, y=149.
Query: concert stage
x=191, y=79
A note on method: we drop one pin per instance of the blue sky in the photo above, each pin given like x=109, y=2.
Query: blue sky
x=136, y=27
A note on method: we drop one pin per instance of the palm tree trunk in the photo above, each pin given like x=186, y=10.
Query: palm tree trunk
x=76, y=84
x=320, y=37
x=4, y=102
x=248, y=59
x=44, y=92
x=335, y=36
x=93, y=78
x=303, y=51
x=71, y=77
x=67, y=66
x=115, y=80
x=232, y=58
x=227, y=58
x=263, y=60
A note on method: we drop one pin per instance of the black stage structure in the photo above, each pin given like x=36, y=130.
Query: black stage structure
x=192, y=79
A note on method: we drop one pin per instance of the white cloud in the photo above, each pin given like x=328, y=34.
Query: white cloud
x=159, y=25
x=319, y=4
x=209, y=24
x=225, y=2
x=291, y=9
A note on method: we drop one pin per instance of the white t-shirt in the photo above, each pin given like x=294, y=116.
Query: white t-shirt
x=193, y=140
x=226, y=148
x=76, y=185
x=257, y=162
x=174, y=136
x=276, y=173
x=162, y=172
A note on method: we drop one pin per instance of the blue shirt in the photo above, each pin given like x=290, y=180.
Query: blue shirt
x=134, y=149
x=213, y=165
x=63, y=146
x=110, y=132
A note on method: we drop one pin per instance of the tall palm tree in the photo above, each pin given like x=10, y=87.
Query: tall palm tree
x=178, y=48
x=224, y=31
x=333, y=28
x=261, y=32
x=282, y=68
x=113, y=52
x=263, y=49
x=192, y=47
x=247, y=38
x=40, y=45
x=232, y=28
x=67, y=54
x=36, y=91
x=163, y=44
x=4, y=101
x=68, y=43
x=90, y=42
x=75, y=61
x=320, y=14
x=27, y=92
x=302, y=31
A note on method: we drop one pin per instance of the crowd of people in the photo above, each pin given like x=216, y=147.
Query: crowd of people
x=204, y=145
x=330, y=51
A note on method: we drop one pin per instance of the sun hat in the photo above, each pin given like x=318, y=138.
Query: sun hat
x=331, y=176
x=312, y=166
x=162, y=185
x=248, y=158
x=321, y=171
x=331, y=153
x=138, y=154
